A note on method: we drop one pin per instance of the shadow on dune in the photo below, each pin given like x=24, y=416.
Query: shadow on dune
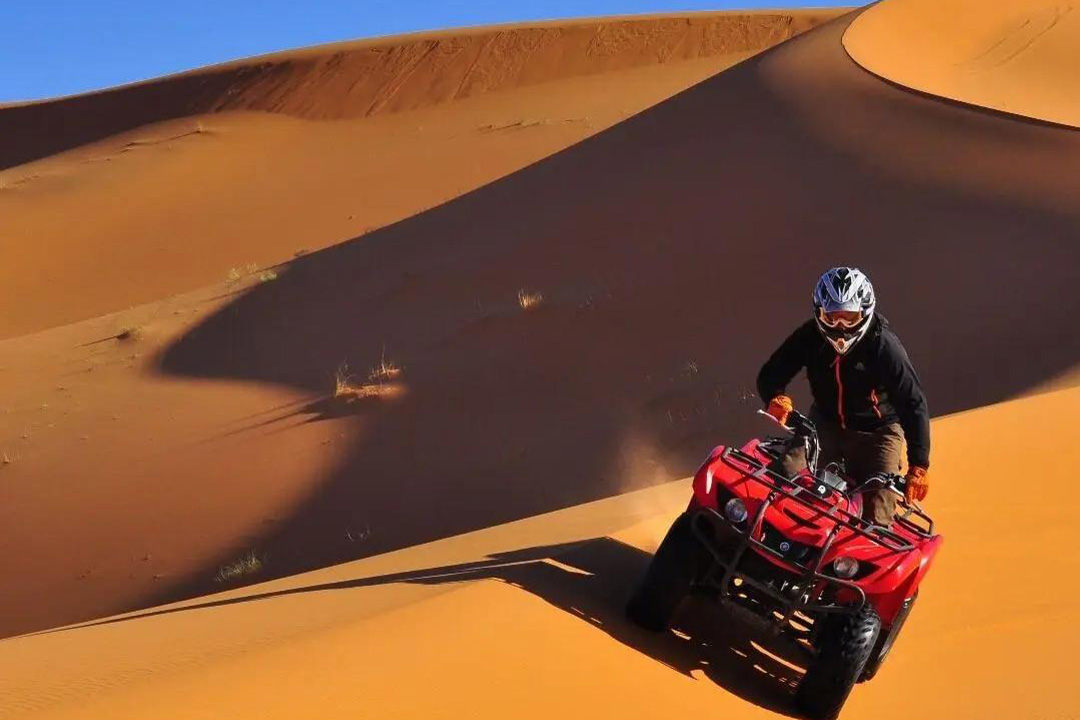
x=591, y=580
x=674, y=251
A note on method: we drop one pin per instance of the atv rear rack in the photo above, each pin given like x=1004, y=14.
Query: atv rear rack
x=707, y=525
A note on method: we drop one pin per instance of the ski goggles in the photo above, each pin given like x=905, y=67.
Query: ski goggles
x=840, y=318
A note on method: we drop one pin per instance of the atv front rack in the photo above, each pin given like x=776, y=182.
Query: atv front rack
x=756, y=471
x=708, y=526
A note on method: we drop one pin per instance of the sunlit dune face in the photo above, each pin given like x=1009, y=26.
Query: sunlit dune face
x=1010, y=55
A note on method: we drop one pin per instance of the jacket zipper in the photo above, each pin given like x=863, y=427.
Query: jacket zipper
x=839, y=394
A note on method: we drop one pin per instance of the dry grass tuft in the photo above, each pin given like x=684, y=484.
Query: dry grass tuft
x=237, y=274
x=250, y=564
x=381, y=382
x=529, y=300
x=344, y=385
x=385, y=370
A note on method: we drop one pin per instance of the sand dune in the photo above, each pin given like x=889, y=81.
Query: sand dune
x=374, y=77
x=248, y=163
x=137, y=452
x=1017, y=56
x=216, y=415
x=426, y=528
x=524, y=619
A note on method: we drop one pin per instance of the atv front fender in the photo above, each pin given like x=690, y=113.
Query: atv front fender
x=910, y=575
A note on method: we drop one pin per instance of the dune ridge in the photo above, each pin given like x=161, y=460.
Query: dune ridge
x=234, y=178
x=1014, y=56
x=365, y=78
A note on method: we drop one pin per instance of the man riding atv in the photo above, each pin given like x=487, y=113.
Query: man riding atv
x=781, y=533
x=867, y=397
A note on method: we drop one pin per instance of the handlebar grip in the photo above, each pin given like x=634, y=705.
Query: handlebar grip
x=799, y=423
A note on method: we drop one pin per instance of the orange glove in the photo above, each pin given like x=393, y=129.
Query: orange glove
x=780, y=407
x=917, y=484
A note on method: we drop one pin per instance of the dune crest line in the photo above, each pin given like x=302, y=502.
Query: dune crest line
x=1019, y=57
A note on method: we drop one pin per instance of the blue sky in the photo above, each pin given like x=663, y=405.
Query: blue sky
x=58, y=47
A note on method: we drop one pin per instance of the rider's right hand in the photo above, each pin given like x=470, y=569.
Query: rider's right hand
x=780, y=407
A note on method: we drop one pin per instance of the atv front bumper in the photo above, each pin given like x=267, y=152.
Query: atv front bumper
x=785, y=577
x=741, y=568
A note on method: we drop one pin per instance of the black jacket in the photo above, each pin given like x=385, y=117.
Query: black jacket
x=871, y=386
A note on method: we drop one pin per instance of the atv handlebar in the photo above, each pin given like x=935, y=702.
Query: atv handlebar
x=797, y=423
x=800, y=426
x=803, y=428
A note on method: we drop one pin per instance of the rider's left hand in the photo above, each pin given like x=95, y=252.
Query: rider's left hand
x=917, y=484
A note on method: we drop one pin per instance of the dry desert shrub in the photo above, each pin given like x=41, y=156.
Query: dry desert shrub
x=529, y=300
x=247, y=565
x=384, y=371
x=381, y=382
x=344, y=384
x=237, y=274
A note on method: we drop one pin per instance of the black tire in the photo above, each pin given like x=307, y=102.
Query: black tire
x=886, y=641
x=843, y=652
x=669, y=579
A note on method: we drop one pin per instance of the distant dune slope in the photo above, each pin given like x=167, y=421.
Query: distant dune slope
x=169, y=185
x=1018, y=56
x=365, y=78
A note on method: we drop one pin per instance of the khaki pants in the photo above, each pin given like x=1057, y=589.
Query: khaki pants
x=864, y=455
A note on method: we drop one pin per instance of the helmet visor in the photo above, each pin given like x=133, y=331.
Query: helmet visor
x=841, y=318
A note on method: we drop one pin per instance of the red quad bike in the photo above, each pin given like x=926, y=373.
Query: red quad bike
x=795, y=554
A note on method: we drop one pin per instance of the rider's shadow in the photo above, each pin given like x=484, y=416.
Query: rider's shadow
x=592, y=581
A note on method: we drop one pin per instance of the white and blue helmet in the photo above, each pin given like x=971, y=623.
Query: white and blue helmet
x=844, y=305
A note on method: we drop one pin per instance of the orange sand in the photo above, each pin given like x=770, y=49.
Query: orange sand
x=524, y=619
x=458, y=539
x=1018, y=56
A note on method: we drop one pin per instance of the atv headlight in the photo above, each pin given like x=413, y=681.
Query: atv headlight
x=845, y=567
x=735, y=510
